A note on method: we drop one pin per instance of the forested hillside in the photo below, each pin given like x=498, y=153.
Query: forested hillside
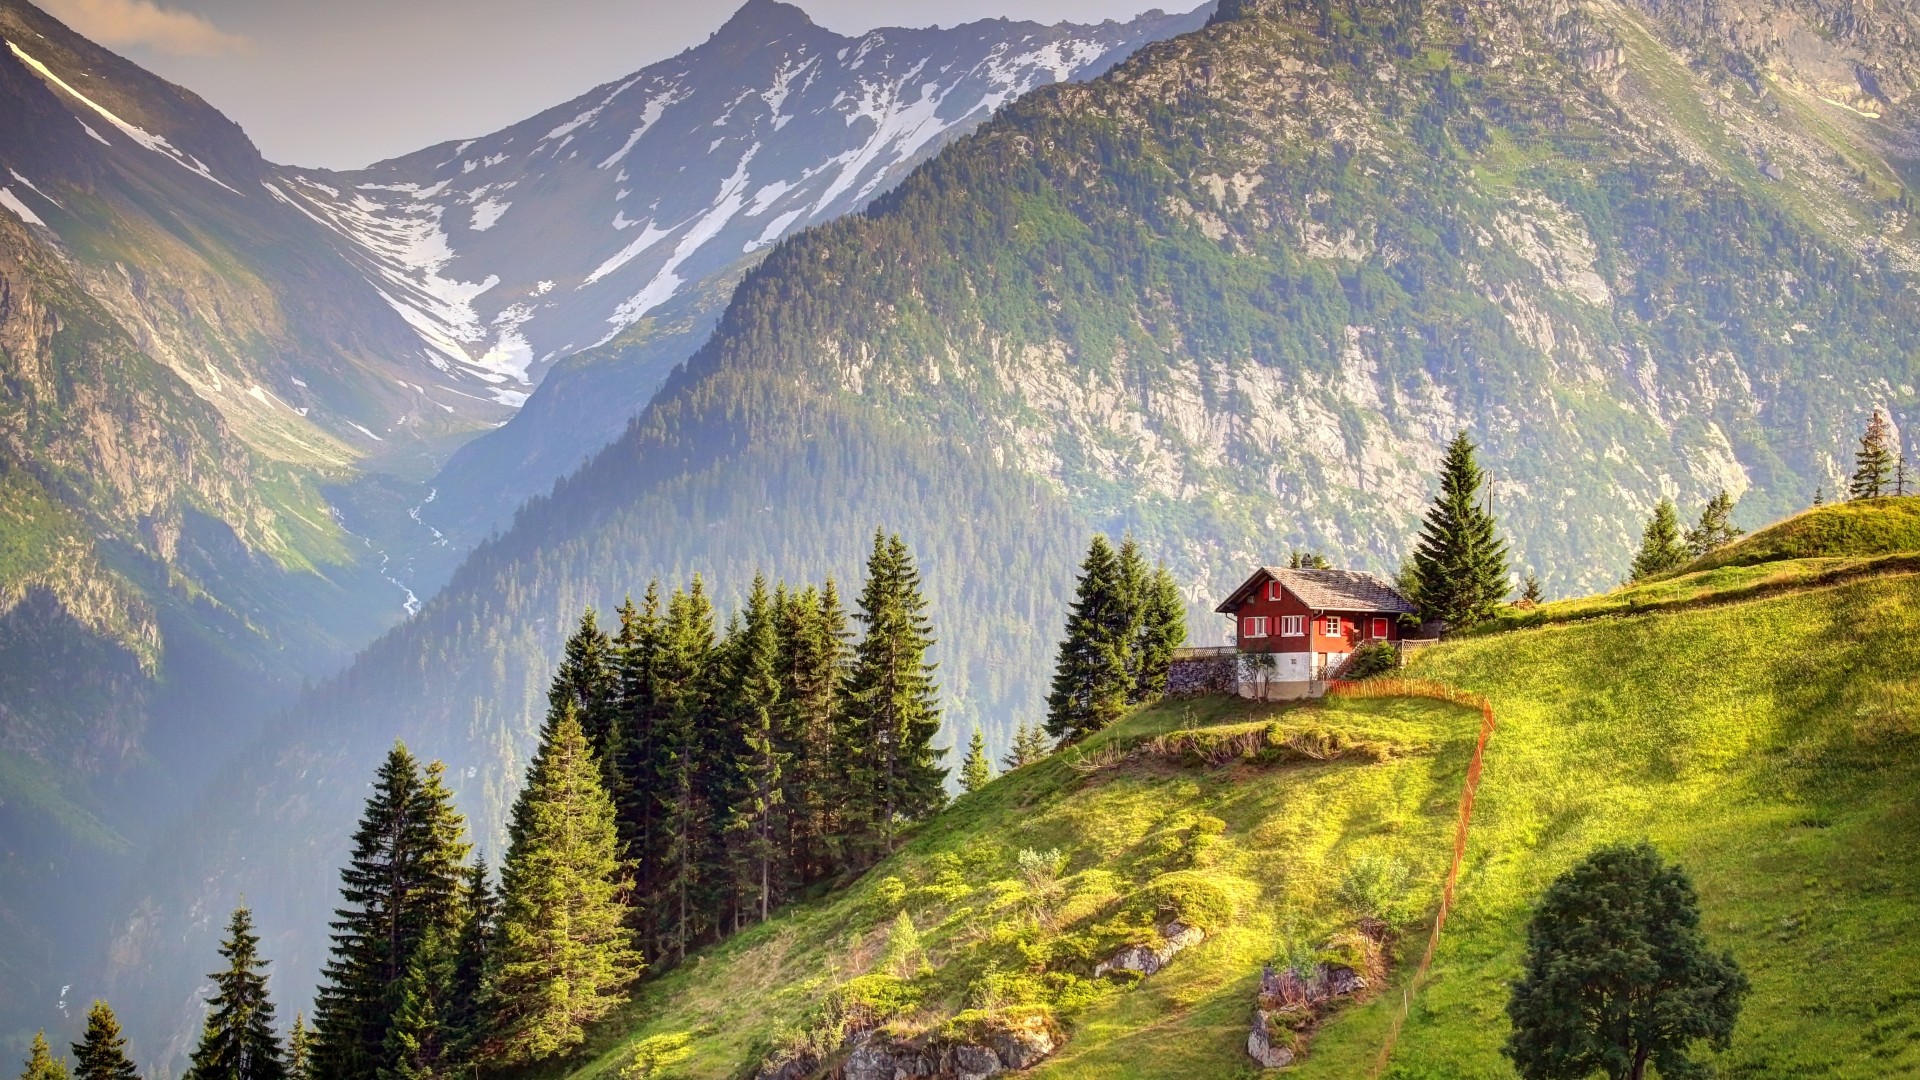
x=1234, y=296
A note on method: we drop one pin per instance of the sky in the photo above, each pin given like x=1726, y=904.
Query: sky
x=344, y=83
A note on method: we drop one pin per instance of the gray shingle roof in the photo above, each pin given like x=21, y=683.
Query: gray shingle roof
x=1329, y=590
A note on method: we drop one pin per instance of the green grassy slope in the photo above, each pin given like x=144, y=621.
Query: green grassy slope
x=1769, y=746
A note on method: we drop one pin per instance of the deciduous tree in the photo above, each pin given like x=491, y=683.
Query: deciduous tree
x=1618, y=975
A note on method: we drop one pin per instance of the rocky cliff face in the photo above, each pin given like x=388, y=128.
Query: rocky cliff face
x=1855, y=53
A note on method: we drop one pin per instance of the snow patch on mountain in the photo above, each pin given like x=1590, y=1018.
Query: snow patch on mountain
x=139, y=135
x=774, y=125
x=20, y=210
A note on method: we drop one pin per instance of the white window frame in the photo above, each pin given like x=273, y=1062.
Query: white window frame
x=1253, y=626
x=1331, y=627
x=1381, y=627
x=1293, y=626
x=1273, y=590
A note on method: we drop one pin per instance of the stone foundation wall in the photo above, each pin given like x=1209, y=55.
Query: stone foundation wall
x=1192, y=677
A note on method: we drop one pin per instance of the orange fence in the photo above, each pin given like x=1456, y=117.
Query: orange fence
x=1382, y=688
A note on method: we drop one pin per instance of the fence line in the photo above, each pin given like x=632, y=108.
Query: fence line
x=1426, y=688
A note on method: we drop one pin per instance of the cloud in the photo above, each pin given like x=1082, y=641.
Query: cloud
x=122, y=23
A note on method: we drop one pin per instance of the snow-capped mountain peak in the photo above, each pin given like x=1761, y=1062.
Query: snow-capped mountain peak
x=509, y=251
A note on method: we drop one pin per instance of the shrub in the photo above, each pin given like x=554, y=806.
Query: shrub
x=652, y=1055
x=1375, y=887
x=903, y=957
x=1374, y=658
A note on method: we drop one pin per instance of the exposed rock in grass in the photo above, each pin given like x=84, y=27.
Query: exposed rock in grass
x=982, y=1048
x=1146, y=960
x=1293, y=1002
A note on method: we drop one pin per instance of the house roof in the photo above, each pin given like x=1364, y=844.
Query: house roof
x=1327, y=590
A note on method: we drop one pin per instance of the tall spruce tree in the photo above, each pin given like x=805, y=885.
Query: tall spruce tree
x=1163, y=629
x=1460, y=564
x=102, y=1053
x=632, y=763
x=466, y=1019
x=41, y=1064
x=1715, y=528
x=1135, y=580
x=757, y=825
x=684, y=681
x=1661, y=549
x=402, y=882
x=893, y=710
x=813, y=663
x=238, y=1041
x=1091, y=682
x=977, y=769
x=417, y=1044
x=564, y=956
x=588, y=676
x=1873, y=462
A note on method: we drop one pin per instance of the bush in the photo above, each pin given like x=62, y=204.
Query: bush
x=1375, y=887
x=652, y=1055
x=1374, y=658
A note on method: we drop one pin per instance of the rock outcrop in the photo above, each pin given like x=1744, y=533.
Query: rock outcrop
x=1291, y=1002
x=1144, y=960
x=996, y=1047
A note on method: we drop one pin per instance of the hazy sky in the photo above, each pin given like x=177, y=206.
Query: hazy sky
x=344, y=83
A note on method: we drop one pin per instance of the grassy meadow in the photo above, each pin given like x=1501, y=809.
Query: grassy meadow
x=1768, y=745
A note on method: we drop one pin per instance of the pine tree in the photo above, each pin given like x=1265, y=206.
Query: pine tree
x=1660, y=548
x=238, y=1041
x=1716, y=528
x=41, y=1064
x=683, y=685
x=1135, y=582
x=813, y=660
x=588, y=677
x=416, y=1046
x=976, y=770
x=1460, y=565
x=102, y=1053
x=1090, y=680
x=1819, y=495
x=632, y=763
x=402, y=882
x=564, y=956
x=300, y=1049
x=1030, y=744
x=465, y=1019
x=1873, y=462
x=1618, y=975
x=757, y=810
x=893, y=711
x=1532, y=594
x=1163, y=629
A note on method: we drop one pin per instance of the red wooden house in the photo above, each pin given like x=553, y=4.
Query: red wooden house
x=1295, y=628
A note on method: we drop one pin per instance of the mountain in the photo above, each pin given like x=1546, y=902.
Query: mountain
x=1234, y=295
x=592, y=246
